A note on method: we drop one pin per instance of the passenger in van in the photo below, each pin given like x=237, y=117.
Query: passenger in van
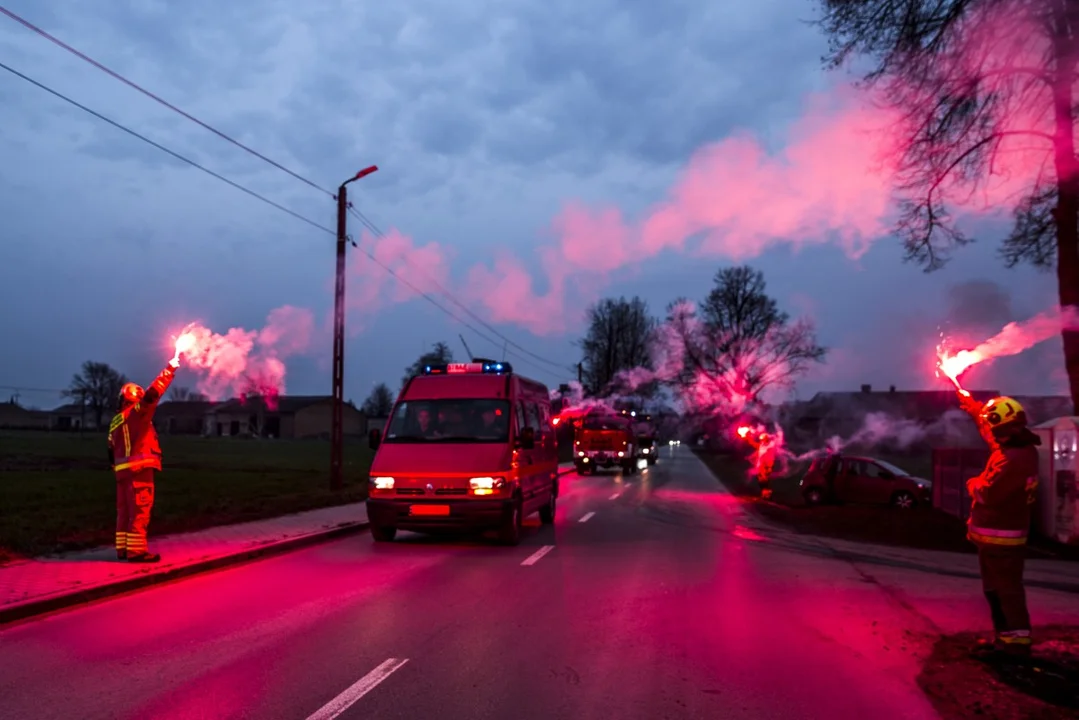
x=492, y=423
x=423, y=422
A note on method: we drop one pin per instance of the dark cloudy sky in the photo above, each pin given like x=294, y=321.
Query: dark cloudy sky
x=486, y=117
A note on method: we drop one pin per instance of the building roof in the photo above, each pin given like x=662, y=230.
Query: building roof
x=918, y=404
x=285, y=404
x=183, y=408
x=71, y=409
x=914, y=404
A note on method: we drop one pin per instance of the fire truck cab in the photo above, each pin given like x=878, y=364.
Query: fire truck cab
x=605, y=441
x=468, y=446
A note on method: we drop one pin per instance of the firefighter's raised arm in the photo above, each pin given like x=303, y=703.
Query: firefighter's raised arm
x=976, y=411
x=161, y=383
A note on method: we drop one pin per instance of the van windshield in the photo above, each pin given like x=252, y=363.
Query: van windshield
x=450, y=421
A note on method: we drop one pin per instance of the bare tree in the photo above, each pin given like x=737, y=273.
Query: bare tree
x=619, y=338
x=439, y=354
x=736, y=346
x=97, y=387
x=379, y=403
x=972, y=78
x=185, y=394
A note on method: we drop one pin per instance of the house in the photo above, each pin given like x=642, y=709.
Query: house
x=287, y=416
x=76, y=416
x=376, y=423
x=927, y=417
x=183, y=417
x=15, y=417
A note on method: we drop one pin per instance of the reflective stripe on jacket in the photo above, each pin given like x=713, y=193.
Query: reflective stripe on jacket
x=1000, y=507
x=132, y=438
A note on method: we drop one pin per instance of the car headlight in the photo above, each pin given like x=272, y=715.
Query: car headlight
x=645, y=451
x=382, y=483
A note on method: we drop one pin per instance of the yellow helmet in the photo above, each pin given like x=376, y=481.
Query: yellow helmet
x=1004, y=412
x=131, y=393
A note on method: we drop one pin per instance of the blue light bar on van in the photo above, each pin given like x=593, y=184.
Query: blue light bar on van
x=490, y=368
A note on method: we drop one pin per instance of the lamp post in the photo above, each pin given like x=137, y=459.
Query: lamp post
x=337, y=431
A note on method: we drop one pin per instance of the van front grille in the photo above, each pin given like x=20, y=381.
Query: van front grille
x=410, y=491
x=451, y=491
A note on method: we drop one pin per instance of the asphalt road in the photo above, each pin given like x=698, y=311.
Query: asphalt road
x=648, y=598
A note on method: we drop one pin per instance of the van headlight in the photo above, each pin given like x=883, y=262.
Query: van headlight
x=485, y=485
x=382, y=483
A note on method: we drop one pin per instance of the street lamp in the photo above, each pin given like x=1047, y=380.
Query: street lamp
x=337, y=431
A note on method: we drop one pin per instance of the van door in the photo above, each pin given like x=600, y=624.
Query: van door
x=524, y=457
x=536, y=484
x=547, y=457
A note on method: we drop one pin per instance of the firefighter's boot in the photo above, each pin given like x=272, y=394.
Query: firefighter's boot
x=144, y=557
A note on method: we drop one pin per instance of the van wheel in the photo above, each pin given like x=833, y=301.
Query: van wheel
x=509, y=533
x=903, y=500
x=383, y=533
x=546, y=512
x=814, y=496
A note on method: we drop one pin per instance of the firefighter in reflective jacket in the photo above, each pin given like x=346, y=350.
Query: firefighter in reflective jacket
x=766, y=461
x=1000, y=514
x=134, y=454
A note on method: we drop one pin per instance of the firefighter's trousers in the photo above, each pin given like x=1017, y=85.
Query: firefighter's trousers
x=134, y=500
x=1002, y=581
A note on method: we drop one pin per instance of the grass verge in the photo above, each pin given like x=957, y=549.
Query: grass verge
x=58, y=493
x=921, y=528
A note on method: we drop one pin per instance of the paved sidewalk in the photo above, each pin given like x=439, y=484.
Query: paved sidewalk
x=41, y=585
x=32, y=587
x=1052, y=574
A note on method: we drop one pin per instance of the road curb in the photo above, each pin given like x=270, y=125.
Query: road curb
x=35, y=608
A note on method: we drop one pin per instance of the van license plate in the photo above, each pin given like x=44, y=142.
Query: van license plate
x=436, y=510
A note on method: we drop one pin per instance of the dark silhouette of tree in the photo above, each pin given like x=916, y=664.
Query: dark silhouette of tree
x=726, y=353
x=379, y=403
x=185, y=394
x=619, y=338
x=97, y=388
x=971, y=79
x=438, y=354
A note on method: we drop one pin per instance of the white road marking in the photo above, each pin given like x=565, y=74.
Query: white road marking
x=535, y=557
x=615, y=496
x=361, y=687
x=587, y=517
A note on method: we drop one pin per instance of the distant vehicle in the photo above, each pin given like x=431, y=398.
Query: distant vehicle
x=469, y=445
x=605, y=441
x=856, y=479
x=645, y=432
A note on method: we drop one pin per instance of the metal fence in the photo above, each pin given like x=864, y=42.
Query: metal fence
x=952, y=467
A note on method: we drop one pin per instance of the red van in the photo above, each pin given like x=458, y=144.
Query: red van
x=468, y=446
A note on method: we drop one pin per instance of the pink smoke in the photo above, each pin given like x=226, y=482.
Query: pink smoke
x=1014, y=338
x=242, y=363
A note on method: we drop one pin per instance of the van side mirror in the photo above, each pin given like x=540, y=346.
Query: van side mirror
x=526, y=438
x=374, y=439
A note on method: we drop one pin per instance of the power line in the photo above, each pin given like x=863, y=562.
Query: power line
x=359, y=215
x=449, y=296
x=82, y=56
x=162, y=148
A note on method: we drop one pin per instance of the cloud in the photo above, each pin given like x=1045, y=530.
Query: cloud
x=523, y=147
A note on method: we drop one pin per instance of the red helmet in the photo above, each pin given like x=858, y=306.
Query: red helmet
x=131, y=393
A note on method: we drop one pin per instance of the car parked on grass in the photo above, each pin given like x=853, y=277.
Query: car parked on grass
x=839, y=478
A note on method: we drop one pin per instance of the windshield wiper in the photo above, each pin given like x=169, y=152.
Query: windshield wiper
x=406, y=438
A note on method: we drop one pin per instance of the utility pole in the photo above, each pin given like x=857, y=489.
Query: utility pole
x=337, y=431
x=467, y=351
x=580, y=374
